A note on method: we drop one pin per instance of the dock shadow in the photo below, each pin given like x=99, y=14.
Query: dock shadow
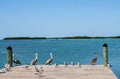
x=2, y=73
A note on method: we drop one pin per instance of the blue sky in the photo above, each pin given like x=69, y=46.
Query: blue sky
x=59, y=18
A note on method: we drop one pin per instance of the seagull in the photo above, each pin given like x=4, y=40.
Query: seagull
x=65, y=63
x=39, y=71
x=72, y=63
x=33, y=62
x=56, y=65
x=109, y=65
x=49, y=60
x=78, y=64
x=17, y=62
x=94, y=60
x=7, y=67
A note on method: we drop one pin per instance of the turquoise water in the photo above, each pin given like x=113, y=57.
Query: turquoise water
x=76, y=50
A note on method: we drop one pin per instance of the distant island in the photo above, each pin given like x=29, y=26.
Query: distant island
x=24, y=38
x=72, y=37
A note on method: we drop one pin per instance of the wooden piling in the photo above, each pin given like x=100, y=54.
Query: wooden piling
x=9, y=55
x=105, y=54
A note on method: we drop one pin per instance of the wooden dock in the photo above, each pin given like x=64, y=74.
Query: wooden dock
x=59, y=72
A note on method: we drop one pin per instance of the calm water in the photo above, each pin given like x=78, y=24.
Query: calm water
x=80, y=50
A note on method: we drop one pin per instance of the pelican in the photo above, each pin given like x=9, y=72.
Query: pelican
x=33, y=62
x=49, y=60
x=94, y=60
x=17, y=62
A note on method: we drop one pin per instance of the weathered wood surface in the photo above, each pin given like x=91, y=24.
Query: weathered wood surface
x=60, y=72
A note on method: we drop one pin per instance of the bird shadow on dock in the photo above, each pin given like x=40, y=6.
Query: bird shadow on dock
x=2, y=73
x=40, y=75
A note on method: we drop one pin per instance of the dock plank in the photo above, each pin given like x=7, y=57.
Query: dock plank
x=60, y=72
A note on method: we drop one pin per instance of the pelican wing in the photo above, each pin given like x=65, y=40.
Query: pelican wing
x=16, y=61
x=33, y=62
x=93, y=61
x=49, y=61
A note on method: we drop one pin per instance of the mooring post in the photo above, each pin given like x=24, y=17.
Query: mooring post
x=9, y=55
x=105, y=54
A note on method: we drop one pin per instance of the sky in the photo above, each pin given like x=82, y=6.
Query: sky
x=59, y=18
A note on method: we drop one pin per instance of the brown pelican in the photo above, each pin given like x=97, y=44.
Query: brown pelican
x=94, y=60
x=49, y=60
x=33, y=62
x=17, y=62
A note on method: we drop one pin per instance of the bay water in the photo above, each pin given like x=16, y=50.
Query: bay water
x=68, y=50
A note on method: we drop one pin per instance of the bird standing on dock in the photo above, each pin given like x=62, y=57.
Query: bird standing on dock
x=72, y=63
x=56, y=64
x=33, y=62
x=65, y=64
x=79, y=65
x=108, y=65
x=17, y=62
x=7, y=67
x=94, y=60
x=49, y=60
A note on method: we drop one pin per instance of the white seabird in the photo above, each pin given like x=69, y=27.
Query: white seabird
x=79, y=65
x=7, y=67
x=72, y=63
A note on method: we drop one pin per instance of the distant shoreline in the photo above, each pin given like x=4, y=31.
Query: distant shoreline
x=44, y=38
